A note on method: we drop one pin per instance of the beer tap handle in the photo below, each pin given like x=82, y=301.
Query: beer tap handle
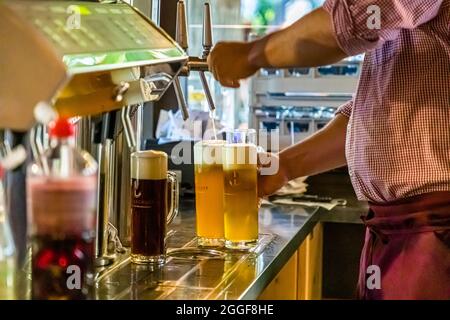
x=120, y=90
x=207, y=38
x=181, y=34
x=182, y=105
x=207, y=42
x=182, y=38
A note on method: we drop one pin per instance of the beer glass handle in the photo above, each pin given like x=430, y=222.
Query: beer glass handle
x=174, y=193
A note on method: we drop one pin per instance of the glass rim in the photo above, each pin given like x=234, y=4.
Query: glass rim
x=241, y=136
x=149, y=154
x=249, y=130
x=210, y=143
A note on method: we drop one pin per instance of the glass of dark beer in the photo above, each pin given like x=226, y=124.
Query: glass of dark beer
x=154, y=204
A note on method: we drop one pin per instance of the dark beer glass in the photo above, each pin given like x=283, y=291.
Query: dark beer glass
x=154, y=204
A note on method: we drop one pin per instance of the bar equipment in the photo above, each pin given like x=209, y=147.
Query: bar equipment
x=127, y=142
x=103, y=137
x=109, y=36
x=198, y=64
x=89, y=59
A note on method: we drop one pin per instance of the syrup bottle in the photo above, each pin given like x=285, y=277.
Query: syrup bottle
x=61, y=206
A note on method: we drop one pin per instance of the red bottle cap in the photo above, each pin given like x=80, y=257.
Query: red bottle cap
x=61, y=128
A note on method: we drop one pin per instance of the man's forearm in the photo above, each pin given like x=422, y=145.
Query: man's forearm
x=307, y=43
x=321, y=152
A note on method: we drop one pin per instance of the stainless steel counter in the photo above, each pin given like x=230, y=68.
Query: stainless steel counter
x=221, y=274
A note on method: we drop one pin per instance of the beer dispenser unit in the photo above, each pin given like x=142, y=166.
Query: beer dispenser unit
x=198, y=64
x=88, y=56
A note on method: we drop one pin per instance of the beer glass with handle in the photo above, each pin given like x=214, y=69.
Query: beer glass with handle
x=154, y=205
x=240, y=189
x=209, y=192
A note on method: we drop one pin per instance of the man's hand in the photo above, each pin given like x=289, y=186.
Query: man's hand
x=323, y=151
x=268, y=184
x=229, y=63
x=307, y=43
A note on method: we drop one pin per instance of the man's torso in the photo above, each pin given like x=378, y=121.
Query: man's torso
x=398, y=141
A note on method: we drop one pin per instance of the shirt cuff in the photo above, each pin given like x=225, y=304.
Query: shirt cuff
x=346, y=109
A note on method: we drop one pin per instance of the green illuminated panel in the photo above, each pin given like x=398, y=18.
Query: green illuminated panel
x=92, y=36
x=86, y=62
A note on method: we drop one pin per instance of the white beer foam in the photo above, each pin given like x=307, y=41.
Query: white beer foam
x=240, y=154
x=208, y=152
x=149, y=165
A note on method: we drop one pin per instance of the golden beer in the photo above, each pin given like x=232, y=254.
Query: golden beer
x=241, y=197
x=209, y=192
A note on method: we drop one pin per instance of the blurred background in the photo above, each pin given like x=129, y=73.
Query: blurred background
x=237, y=20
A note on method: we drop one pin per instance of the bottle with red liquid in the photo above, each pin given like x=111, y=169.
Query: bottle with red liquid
x=62, y=202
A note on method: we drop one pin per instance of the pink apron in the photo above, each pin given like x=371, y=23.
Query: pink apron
x=407, y=249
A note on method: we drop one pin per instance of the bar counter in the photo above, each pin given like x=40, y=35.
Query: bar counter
x=191, y=273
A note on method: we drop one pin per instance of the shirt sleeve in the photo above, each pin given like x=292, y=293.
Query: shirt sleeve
x=356, y=28
x=346, y=109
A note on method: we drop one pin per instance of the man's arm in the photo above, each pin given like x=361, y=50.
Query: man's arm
x=338, y=29
x=321, y=152
x=341, y=28
x=308, y=42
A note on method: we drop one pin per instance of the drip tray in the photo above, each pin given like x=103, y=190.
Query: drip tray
x=195, y=254
x=191, y=251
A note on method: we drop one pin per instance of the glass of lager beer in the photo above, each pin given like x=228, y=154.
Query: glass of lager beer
x=240, y=187
x=209, y=192
x=154, y=204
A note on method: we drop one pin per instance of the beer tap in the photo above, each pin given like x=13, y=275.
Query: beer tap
x=207, y=43
x=198, y=64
